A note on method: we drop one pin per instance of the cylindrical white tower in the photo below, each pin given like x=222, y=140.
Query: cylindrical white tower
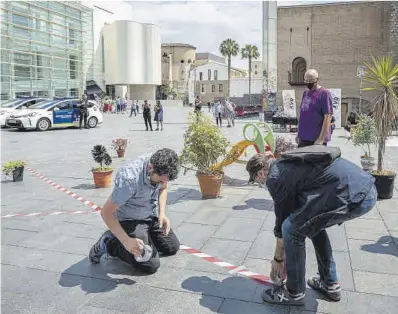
x=132, y=53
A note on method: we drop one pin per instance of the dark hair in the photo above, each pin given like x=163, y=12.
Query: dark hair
x=257, y=163
x=165, y=162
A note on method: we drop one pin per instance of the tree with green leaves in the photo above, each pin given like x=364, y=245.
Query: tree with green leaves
x=229, y=48
x=250, y=52
x=382, y=76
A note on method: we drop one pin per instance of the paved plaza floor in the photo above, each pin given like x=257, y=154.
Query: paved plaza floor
x=44, y=258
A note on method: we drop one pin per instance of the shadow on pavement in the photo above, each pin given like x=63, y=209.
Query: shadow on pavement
x=180, y=195
x=256, y=203
x=383, y=246
x=231, y=288
x=84, y=186
x=228, y=181
x=90, y=277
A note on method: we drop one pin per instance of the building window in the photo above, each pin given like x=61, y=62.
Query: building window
x=215, y=75
x=220, y=88
x=39, y=63
x=209, y=75
x=255, y=66
x=21, y=73
x=255, y=72
x=200, y=76
x=213, y=88
x=72, y=67
x=203, y=88
x=299, y=66
x=20, y=20
x=72, y=36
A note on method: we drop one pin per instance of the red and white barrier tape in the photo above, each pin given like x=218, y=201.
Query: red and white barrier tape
x=232, y=269
x=66, y=191
x=94, y=207
x=51, y=213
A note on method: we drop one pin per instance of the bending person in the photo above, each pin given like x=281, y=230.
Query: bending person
x=135, y=213
x=325, y=190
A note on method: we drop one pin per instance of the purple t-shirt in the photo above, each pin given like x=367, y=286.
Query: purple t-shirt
x=314, y=106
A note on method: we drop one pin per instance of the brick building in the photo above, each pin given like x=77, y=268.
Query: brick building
x=334, y=39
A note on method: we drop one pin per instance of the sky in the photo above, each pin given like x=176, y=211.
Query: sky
x=205, y=24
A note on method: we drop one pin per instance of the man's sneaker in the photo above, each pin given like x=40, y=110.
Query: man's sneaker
x=333, y=292
x=99, y=248
x=283, y=297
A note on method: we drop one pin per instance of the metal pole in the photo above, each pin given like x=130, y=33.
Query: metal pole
x=269, y=50
x=360, y=95
x=265, y=60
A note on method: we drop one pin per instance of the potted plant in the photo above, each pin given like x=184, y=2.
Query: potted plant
x=204, y=145
x=15, y=168
x=283, y=145
x=119, y=145
x=363, y=134
x=382, y=77
x=102, y=174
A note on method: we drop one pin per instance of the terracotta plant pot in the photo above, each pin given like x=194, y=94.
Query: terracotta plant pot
x=210, y=185
x=102, y=179
x=120, y=153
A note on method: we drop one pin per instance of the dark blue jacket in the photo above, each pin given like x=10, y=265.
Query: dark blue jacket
x=314, y=194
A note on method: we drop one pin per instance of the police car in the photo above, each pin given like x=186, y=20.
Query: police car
x=9, y=107
x=59, y=113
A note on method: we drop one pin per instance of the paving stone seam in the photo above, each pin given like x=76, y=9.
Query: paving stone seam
x=388, y=230
x=349, y=256
x=19, y=229
x=43, y=249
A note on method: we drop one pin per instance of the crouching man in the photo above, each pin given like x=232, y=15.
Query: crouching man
x=313, y=188
x=135, y=213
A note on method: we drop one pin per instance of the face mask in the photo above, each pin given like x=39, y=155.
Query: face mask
x=310, y=85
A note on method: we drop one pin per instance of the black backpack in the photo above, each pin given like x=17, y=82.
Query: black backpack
x=315, y=154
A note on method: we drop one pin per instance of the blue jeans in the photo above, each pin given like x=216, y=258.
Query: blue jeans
x=294, y=245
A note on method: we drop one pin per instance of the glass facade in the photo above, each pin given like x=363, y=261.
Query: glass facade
x=42, y=48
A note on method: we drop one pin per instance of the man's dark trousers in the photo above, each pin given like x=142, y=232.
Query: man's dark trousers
x=297, y=227
x=150, y=233
x=83, y=117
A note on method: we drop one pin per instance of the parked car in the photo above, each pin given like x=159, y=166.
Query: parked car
x=9, y=107
x=59, y=113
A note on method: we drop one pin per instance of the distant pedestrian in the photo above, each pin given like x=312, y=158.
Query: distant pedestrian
x=217, y=113
x=118, y=103
x=159, y=116
x=209, y=106
x=123, y=105
x=137, y=106
x=230, y=112
x=83, y=112
x=147, y=115
x=133, y=109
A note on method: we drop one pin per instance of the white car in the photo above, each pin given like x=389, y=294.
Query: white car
x=11, y=106
x=60, y=113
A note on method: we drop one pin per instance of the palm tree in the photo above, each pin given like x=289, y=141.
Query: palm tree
x=250, y=52
x=382, y=77
x=229, y=48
